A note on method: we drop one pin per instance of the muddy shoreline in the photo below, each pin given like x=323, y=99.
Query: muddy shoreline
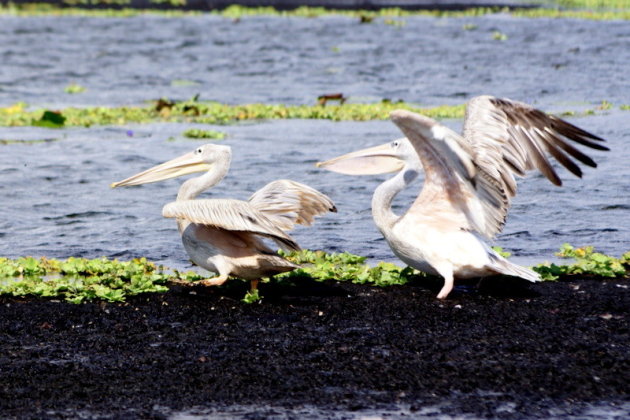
x=507, y=350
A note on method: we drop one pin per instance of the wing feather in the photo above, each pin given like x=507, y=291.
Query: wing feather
x=287, y=203
x=535, y=153
x=501, y=139
x=509, y=138
x=229, y=214
x=450, y=172
x=558, y=154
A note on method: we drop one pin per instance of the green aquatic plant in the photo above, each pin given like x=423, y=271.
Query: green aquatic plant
x=594, y=4
x=610, y=9
x=5, y=142
x=183, y=82
x=394, y=22
x=499, y=250
x=74, y=88
x=587, y=262
x=194, y=111
x=571, y=14
x=49, y=119
x=96, y=2
x=215, y=113
x=88, y=8
x=172, y=3
x=605, y=105
x=319, y=265
x=499, y=36
x=252, y=296
x=78, y=279
x=197, y=133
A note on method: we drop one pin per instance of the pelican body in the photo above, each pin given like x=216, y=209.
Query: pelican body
x=226, y=236
x=469, y=182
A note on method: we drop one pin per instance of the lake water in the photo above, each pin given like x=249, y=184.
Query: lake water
x=56, y=197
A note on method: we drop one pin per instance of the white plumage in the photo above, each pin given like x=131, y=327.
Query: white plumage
x=225, y=236
x=469, y=182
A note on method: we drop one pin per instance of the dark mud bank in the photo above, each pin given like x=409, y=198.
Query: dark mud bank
x=520, y=352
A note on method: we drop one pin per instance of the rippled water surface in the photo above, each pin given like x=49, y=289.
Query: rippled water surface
x=293, y=60
x=55, y=194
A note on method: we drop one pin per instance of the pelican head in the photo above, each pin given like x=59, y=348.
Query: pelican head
x=386, y=158
x=199, y=160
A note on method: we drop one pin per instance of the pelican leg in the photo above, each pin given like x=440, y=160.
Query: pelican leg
x=214, y=281
x=222, y=267
x=253, y=285
x=448, y=283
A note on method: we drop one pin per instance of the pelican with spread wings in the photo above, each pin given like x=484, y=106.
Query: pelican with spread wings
x=226, y=236
x=468, y=185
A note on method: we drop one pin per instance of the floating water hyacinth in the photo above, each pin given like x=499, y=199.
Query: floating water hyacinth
x=574, y=9
x=79, y=280
x=74, y=89
x=587, y=262
x=197, y=133
x=50, y=119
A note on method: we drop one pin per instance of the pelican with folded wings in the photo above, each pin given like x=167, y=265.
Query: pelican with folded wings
x=225, y=236
x=469, y=182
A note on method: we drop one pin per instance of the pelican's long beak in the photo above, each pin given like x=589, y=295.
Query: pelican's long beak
x=371, y=161
x=183, y=165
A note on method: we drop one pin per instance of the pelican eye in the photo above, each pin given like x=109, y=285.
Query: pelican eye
x=198, y=151
x=395, y=143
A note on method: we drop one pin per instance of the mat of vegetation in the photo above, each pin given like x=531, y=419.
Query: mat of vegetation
x=572, y=9
x=79, y=280
x=193, y=111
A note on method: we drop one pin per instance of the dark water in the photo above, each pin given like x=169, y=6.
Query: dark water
x=55, y=195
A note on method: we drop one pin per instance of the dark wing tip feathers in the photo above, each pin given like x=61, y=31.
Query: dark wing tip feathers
x=291, y=244
x=557, y=128
x=576, y=134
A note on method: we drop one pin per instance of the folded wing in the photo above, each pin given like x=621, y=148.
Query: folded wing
x=287, y=203
x=234, y=215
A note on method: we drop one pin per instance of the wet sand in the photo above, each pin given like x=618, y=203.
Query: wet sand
x=506, y=350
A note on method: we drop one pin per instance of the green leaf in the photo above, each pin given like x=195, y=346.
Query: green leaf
x=252, y=296
x=50, y=119
x=196, y=133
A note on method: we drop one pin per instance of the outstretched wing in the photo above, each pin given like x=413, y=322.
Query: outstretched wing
x=502, y=138
x=287, y=203
x=509, y=138
x=229, y=214
x=447, y=194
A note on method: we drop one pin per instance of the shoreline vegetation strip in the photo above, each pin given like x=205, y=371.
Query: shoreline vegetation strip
x=78, y=280
x=193, y=111
x=572, y=9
